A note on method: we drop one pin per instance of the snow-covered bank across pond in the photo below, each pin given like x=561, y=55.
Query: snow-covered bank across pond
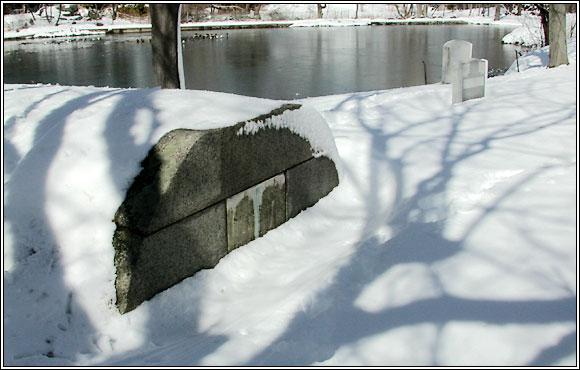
x=451, y=239
x=22, y=26
x=91, y=29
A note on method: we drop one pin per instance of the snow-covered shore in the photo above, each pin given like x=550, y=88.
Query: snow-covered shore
x=85, y=29
x=451, y=239
x=529, y=32
x=273, y=15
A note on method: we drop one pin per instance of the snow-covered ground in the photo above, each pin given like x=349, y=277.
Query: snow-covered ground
x=451, y=239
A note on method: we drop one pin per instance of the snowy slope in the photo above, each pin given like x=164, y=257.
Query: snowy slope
x=451, y=239
x=540, y=58
x=531, y=34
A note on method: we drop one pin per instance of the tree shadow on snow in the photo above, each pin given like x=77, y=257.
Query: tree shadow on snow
x=65, y=324
x=337, y=319
x=53, y=328
x=172, y=317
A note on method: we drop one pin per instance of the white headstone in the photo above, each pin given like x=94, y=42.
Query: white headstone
x=469, y=80
x=454, y=53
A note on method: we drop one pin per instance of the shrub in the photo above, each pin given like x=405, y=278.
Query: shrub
x=133, y=10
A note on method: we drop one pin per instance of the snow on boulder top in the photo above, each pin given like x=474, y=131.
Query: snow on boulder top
x=307, y=123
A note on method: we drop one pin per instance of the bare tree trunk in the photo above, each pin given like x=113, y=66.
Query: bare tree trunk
x=406, y=11
x=497, y=12
x=558, y=47
x=46, y=8
x=544, y=16
x=164, y=44
x=420, y=11
x=31, y=12
x=356, y=12
x=59, y=13
x=320, y=7
x=399, y=11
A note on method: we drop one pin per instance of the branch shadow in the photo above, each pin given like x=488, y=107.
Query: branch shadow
x=44, y=322
x=11, y=156
x=335, y=319
x=171, y=314
x=565, y=347
x=24, y=210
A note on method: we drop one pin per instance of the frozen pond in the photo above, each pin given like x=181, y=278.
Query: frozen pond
x=277, y=63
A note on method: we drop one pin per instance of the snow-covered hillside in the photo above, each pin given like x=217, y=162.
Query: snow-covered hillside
x=451, y=239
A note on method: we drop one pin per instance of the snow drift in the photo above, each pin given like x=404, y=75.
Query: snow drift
x=451, y=239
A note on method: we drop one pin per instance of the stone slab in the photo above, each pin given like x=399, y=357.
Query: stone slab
x=271, y=205
x=189, y=170
x=307, y=183
x=200, y=194
x=240, y=219
x=255, y=211
x=148, y=265
x=454, y=53
x=470, y=80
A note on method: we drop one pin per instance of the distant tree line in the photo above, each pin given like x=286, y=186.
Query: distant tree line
x=190, y=11
x=93, y=11
x=514, y=8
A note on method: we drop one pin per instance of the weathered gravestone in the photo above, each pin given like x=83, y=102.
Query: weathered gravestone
x=469, y=80
x=467, y=75
x=454, y=53
x=201, y=194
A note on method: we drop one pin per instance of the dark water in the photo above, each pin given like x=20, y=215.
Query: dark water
x=278, y=63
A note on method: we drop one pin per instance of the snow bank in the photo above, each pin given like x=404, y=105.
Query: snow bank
x=69, y=157
x=541, y=58
x=531, y=33
x=331, y=23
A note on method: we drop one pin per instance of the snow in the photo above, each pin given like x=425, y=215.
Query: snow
x=530, y=32
x=292, y=15
x=539, y=58
x=450, y=241
x=306, y=123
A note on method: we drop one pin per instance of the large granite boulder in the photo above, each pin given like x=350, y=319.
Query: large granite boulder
x=202, y=193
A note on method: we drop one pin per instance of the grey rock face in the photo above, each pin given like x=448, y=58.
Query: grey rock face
x=307, y=183
x=202, y=194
